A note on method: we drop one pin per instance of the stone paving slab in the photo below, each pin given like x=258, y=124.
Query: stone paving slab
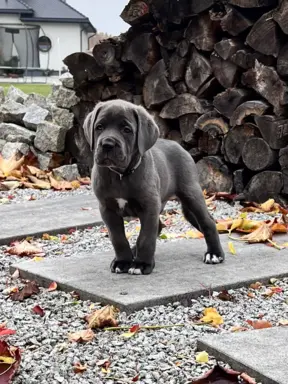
x=179, y=274
x=260, y=353
x=53, y=216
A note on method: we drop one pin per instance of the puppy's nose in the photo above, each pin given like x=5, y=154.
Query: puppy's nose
x=108, y=144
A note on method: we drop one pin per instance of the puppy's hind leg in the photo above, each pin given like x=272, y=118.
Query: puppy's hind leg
x=196, y=212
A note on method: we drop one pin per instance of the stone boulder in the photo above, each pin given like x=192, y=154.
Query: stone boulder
x=35, y=98
x=12, y=112
x=2, y=143
x=50, y=137
x=35, y=115
x=16, y=94
x=66, y=98
x=67, y=172
x=67, y=80
x=15, y=133
x=2, y=95
x=62, y=117
x=48, y=160
x=18, y=149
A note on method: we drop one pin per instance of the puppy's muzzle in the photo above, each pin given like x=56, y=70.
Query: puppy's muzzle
x=108, y=144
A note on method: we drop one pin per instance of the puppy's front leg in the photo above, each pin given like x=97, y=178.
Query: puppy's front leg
x=144, y=262
x=123, y=253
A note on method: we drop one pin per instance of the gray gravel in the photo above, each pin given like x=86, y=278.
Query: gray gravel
x=159, y=356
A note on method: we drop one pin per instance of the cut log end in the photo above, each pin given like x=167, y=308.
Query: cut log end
x=257, y=155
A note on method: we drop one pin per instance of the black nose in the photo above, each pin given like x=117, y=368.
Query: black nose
x=108, y=144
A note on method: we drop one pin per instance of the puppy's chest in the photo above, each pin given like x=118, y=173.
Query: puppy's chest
x=125, y=207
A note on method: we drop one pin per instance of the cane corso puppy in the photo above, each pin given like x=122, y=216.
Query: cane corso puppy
x=134, y=174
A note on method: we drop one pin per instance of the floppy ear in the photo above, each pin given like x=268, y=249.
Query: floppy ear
x=88, y=126
x=148, y=131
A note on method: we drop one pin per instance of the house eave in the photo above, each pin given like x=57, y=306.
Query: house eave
x=16, y=11
x=89, y=27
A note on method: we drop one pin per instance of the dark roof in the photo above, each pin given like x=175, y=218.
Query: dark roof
x=45, y=10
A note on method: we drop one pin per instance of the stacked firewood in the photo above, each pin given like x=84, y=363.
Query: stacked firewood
x=214, y=76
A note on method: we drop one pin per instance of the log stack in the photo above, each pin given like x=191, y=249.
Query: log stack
x=214, y=76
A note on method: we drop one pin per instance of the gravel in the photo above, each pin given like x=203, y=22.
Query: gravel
x=158, y=356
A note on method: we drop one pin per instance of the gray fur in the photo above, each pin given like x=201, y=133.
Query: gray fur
x=166, y=169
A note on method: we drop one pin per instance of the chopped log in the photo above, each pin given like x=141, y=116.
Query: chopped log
x=246, y=58
x=108, y=55
x=208, y=144
x=143, y=51
x=225, y=71
x=175, y=136
x=161, y=123
x=177, y=65
x=239, y=180
x=135, y=12
x=283, y=160
x=281, y=16
x=91, y=91
x=187, y=127
x=234, y=22
x=282, y=62
x=266, y=81
x=213, y=124
x=200, y=6
x=209, y=89
x=253, y=107
x=257, y=155
x=274, y=130
x=180, y=88
x=265, y=36
x=170, y=40
x=196, y=153
x=183, y=48
x=84, y=68
x=156, y=89
x=264, y=185
x=181, y=105
x=202, y=32
x=109, y=92
x=197, y=72
x=235, y=140
x=165, y=12
x=214, y=175
x=138, y=100
x=227, y=47
x=227, y=101
x=253, y=3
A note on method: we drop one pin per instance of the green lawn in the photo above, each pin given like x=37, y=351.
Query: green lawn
x=42, y=89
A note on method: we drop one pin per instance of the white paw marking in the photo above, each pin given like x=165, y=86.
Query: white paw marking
x=209, y=258
x=118, y=270
x=121, y=203
x=135, y=271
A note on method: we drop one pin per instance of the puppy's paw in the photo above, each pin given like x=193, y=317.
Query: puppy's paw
x=138, y=268
x=120, y=266
x=212, y=258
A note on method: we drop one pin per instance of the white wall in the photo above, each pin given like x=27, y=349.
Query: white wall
x=9, y=19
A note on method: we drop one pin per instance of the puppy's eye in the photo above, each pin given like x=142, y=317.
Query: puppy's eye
x=99, y=127
x=127, y=130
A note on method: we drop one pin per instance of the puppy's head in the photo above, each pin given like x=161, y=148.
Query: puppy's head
x=116, y=130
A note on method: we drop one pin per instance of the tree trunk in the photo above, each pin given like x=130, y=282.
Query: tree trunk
x=274, y=130
x=257, y=155
x=198, y=71
x=264, y=185
x=253, y=107
x=227, y=101
x=225, y=71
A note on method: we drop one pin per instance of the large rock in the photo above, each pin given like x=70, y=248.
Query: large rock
x=35, y=98
x=2, y=95
x=50, y=137
x=67, y=80
x=15, y=133
x=62, y=117
x=18, y=149
x=2, y=143
x=36, y=115
x=67, y=172
x=16, y=94
x=66, y=98
x=12, y=112
x=48, y=160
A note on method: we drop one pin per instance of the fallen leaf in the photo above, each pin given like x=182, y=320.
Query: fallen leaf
x=38, y=310
x=38, y=183
x=16, y=274
x=24, y=248
x=105, y=363
x=81, y=336
x=85, y=180
x=259, y=324
x=8, y=368
x=86, y=208
x=10, y=165
x=61, y=185
x=75, y=184
x=194, y=234
x=225, y=296
x=29, y=289
x=52, y=287
x=261, y=234
x=256, y=285
x=37, y=258
x=101, y=318
x=79, y=368
x=6, y=331
x=251, y=295
x=231, y=248
x=46, y=236
x=223, y=376
x=211, y=316
x=281, y=322
x=238, y=329
x=132, y=331
x=236, y=224
x=202, y=357
x=136, y=378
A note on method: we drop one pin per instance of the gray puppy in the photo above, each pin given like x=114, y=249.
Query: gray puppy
x=134, y=174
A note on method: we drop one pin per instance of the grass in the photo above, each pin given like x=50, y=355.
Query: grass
x=42, y=89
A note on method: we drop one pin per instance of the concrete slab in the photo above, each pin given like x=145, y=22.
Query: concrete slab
x=260, y=353
x=179, y=274
x=53, y=216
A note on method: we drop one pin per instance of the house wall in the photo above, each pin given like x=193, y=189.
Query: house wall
x=9, y=19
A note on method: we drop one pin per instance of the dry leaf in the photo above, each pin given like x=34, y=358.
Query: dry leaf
x=5, y=331
x=251, y=295
x=223, y=376
x=202, y=357
x=256, y=285
x=37, y=258
x=16, y=274
x=29, y=289
x=238, y=329
x=81, y=336
x=281, y=322
x=231, y=248
x=101, y=318
x=8, y=368
x=24, y=248
x=194, y=234
x=261, y=234
x=211, y=316
x=61, y=185
x=259, y=324
x=132, y=331
x=38, y=310
x=10, y=165
x=39, y=184
x=225, y=296
x=236, y=224
x=136, y=378
x=79, y=368
x=52, y=287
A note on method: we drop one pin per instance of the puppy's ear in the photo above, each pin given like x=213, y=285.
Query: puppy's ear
x=148, y=131
x=88, y=126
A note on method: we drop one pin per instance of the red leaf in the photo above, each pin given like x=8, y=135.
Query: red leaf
x=7, y=371
x=38, y=310
x=30, y=289
x=224, y=376
x=52, y=287
x=6, y=332
x=136, y=378
x=135, y=328
x=72, y=230
x=259, y=324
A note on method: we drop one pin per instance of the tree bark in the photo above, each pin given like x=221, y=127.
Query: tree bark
x=227, y=101
x=253, y=107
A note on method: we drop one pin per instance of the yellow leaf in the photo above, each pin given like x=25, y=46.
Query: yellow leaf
x=10, y=165
x=250, y=224
x=128, y=235
x=268, y=205
x=236, y=224
x=7, y=360
x=211, y=316
x=104, y=370
x=38, y=258
x=243, y=215
x=75, y=184
x=231, y=248
x=261, y=234
x=81, y=336
x=194, y=234
x=202, y=357
x=127, y=335
x=101, y=318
